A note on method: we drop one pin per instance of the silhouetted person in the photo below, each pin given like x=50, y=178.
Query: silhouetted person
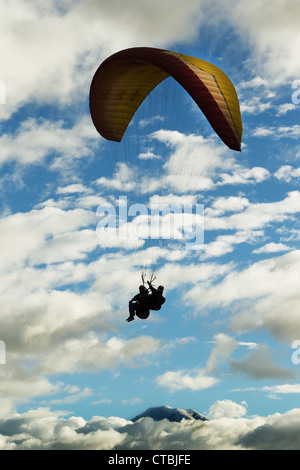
x=156, y=299
x=138, y=305
x=141, y=304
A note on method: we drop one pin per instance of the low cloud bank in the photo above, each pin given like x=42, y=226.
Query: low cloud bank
x=43, y=429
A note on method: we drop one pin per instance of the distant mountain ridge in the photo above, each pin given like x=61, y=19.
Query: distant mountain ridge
x=158, y=413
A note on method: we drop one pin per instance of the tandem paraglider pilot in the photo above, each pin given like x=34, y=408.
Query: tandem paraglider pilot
x=141, y=304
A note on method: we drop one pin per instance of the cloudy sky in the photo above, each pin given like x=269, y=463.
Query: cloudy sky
x=226, y=342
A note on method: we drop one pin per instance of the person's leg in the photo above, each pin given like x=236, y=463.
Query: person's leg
x=132, y=308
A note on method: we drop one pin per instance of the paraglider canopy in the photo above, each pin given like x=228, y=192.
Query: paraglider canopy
x=125, y=79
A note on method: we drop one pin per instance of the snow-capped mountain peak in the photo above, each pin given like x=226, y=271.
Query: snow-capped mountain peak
x=159, y=413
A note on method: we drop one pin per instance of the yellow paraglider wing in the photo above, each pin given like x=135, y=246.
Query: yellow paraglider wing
x=125, y=79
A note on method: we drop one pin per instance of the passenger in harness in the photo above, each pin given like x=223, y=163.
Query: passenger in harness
x=156, y=299
x=141, y=304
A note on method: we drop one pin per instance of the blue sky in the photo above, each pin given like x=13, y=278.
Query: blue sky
x=222, y=344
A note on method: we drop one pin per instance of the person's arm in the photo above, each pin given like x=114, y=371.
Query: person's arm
x=151, y=287
x=135, y=298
